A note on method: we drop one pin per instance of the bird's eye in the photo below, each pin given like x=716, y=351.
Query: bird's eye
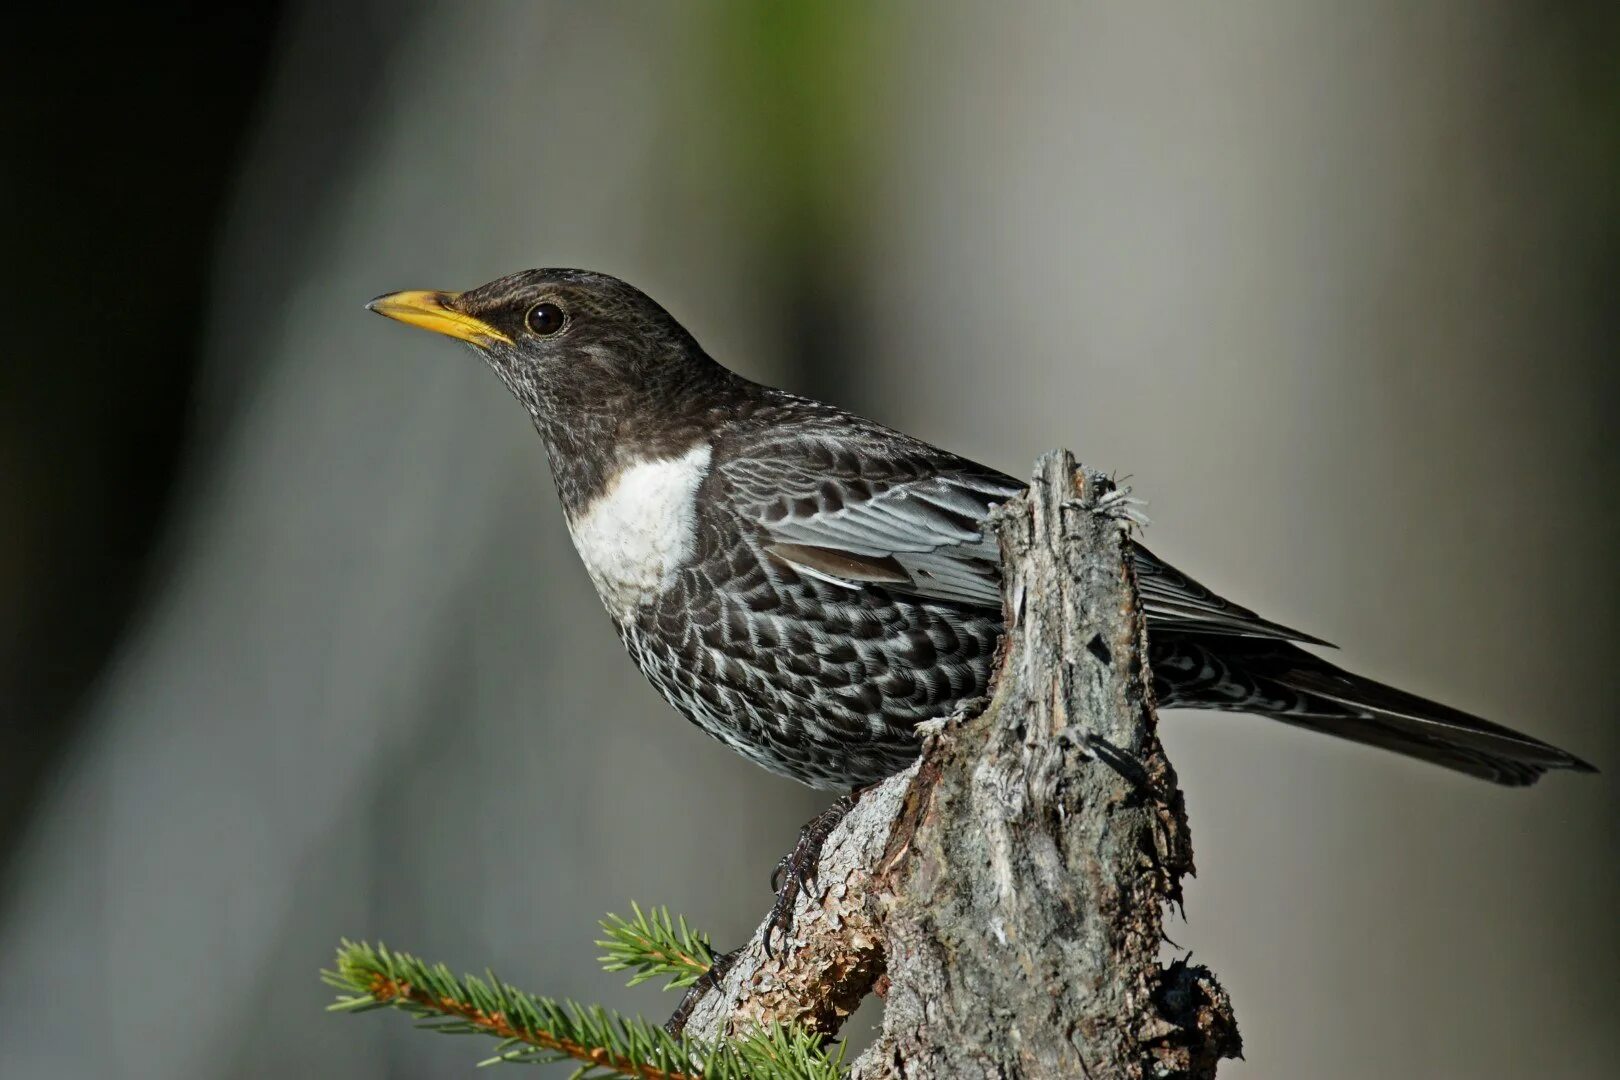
x=546, y=318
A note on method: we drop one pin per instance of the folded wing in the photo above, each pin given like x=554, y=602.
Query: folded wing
x=877, y=508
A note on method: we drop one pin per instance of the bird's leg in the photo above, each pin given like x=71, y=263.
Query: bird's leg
x=796, y=872
x=718, y=966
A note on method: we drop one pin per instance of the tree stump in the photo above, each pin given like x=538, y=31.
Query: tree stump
x=1005, y=895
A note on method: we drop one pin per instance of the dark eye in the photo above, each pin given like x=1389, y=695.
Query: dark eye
x=546, y=318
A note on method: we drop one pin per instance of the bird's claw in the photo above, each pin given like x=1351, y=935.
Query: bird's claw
x=718, y=966
x=795, y=872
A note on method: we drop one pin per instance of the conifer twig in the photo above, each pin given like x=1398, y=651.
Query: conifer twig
x=534, y=1029
x=653, y=944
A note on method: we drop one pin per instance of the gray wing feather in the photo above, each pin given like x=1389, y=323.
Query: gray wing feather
x=888, y=498
x=1174, y=600
x=886, y=495
x=924, y=525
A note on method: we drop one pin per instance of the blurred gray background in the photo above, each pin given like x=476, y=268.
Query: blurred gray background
x=296, y=647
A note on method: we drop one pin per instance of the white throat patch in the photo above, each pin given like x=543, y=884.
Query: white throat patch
x=634, y=535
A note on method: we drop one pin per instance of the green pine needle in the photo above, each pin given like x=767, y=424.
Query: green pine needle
x=533, y=1029
x=654, y=945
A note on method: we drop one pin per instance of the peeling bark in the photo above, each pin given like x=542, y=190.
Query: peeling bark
x=832, y=954
x=1005, y=895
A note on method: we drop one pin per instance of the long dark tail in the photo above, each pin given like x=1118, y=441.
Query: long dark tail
x=1284, y=682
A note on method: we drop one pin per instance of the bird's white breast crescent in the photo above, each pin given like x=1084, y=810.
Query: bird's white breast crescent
x=639, y=530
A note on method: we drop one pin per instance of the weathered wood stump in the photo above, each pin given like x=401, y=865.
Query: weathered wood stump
x=1005, y=895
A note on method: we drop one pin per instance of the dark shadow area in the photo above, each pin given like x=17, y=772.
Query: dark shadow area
x=123, y=132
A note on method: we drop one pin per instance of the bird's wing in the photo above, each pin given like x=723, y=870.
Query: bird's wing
x=875, y=509
x=1174, y=600
x=860, y=505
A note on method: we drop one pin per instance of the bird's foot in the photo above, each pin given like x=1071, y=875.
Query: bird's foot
x=796, y=872
x=718, y=966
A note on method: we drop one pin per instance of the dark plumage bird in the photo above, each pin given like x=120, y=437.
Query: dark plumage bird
x=808, y=586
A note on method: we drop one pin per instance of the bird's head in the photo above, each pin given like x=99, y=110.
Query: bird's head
x=604, y=372
x=561, y=337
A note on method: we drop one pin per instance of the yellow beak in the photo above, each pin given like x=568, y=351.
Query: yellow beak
x=434, y=311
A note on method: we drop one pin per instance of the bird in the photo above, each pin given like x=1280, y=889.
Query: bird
x=809, y=586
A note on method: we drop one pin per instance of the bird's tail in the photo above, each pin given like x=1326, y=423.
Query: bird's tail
x=1286, y=683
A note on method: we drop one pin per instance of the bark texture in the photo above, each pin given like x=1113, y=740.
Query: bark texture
x=1005, y=895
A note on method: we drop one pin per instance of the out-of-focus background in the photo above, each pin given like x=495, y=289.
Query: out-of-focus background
x=293, y=644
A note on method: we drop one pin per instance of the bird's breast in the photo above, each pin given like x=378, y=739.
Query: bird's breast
x=639, y=530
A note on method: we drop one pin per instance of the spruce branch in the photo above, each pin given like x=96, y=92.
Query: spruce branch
x=533, y=1029
x=651, y=944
